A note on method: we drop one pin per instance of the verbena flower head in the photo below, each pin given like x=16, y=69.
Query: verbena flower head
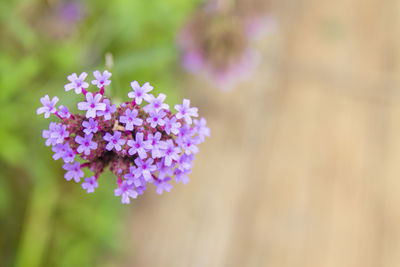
x=217, y=44
x=142, y=141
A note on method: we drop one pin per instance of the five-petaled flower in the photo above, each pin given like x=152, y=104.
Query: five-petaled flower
x=138, y=146
x=156, y=118
x=145, y=168
x=92, y=104
x=49, y=106
x=163, y=185
x=77, y=83
x=90, y=184
x=130, y=119
x=90, y=126
x=101, y=79
x=114, y=141
x=74, y=171
x=156, y=104
x=126, y=192
x=185, y=111
x=140, y=92
x=86, y=143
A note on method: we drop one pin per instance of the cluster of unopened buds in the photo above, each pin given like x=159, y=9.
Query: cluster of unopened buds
x=141, y=141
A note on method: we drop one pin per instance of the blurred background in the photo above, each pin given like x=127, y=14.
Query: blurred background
x=302, y=98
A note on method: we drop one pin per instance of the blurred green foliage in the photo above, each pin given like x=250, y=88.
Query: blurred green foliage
x=45, y=221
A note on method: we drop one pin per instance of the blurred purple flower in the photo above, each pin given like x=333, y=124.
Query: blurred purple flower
x=186, y=112
x=163, y=185
x=126, y=192
x=90, y=184
x=201, y=129
x=73, y=171
x=217, y=44
x=70, y=11
x=63, y=112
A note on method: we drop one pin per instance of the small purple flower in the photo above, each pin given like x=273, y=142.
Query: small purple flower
x=185, y=111
x=130, y=119
x=189, y=145
x=138, y=146
x=131, y=177
x=156, y=118
x=49, y=106
x=182, y=176
x=59, y=150
x=90, y=184
x=86, y=144
x=110, y=109
x=171, y=152
x=185, y=132
x=185, y=162
x=140, y=189
x=46, y=134
x=126, y=192
x=101, y=79
x=69, y=155
x=145, y=168
x=114, y=141
x=164, y=171
x=155, y=145
x=201, y=129
x=92, y=105
x=73, y=171
x=172, y=126
x=77, y=83
x=163, y=185
x=51, y=134
x=63, y=112
x=90, y=126
x=155, y=104
x=59, y=133
x=140, y=92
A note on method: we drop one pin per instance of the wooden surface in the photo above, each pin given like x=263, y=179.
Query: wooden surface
x=303, y=167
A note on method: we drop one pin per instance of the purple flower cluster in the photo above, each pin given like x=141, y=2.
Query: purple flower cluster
x=141, y=141
x=218, y=44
